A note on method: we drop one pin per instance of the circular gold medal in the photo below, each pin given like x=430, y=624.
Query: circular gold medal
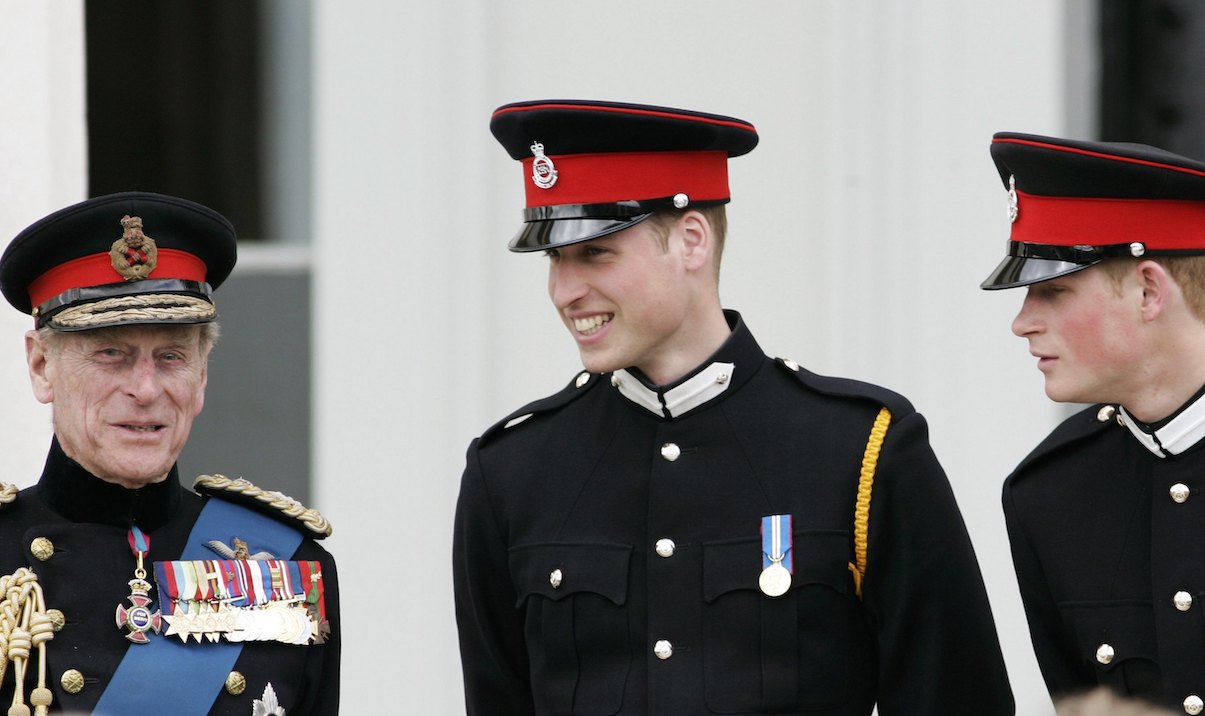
x=775, y=580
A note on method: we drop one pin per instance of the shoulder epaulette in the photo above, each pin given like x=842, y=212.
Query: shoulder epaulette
x=576, y=388
x=274, y=504
x=1084, y=424
x=850, y=388
x=8, y=493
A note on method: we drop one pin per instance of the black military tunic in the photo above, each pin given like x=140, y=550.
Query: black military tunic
x=607, y=554
x=1106, y=525
x=86, y=578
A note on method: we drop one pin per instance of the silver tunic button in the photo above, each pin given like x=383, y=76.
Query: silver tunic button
x=791, y=364
x=665, y=547
x=1179, y=493
x=555, y=578
x=1193, y=704
x=582, y=379
x=1104, y=653
x=670, y=451
x=663, y=649
x=1183, y=601
x=1106, y=413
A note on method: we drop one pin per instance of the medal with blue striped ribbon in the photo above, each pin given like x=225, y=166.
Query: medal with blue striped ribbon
x=777, y=564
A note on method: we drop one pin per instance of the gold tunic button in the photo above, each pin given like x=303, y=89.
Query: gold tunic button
x=663, y=649
x=1179, y=493
x=665, y=547
x=72, y=681
x=1105, y=654
x=41, y=548
x=1106, y=413
x=236, y=683
x=57, y=619
x=1193, y=704
x=670, y=451
x=555, y=578
x=1183, y=601
x=582, y=379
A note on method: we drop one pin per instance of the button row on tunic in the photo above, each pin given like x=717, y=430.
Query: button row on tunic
x=670, y=451
x=663, y=649
x=1182, y=600
x=1179, y=493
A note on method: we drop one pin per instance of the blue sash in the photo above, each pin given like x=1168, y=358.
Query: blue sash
x=168, y=675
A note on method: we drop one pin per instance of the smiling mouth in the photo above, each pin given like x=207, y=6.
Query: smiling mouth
x=591, y=325
x=142, y=428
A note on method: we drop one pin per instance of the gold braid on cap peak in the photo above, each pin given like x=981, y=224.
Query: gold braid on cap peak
x=138, y=307
x=307, y=517
x=25, y=625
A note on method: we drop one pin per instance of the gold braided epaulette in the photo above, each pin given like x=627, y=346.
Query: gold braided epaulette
x=8, y=493
x=221, y=486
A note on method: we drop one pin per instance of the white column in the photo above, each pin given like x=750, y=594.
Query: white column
x=44, y=167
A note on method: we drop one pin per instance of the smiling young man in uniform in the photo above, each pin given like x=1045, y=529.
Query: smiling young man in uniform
x=691, y=527
x=1109, y=241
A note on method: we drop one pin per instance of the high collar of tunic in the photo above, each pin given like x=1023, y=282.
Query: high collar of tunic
x=1175, y=434
x=79, y=496
x=732, y=365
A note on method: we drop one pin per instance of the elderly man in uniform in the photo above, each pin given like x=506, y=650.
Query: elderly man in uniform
x=1109, y=240
x=691, y=527
x=123, y=592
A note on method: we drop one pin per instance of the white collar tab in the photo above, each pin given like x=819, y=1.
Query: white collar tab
x=708, y=383
x=1178, y=435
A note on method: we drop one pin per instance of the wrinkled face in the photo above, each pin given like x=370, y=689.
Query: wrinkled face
x=624, y=301
x=1084, y=333
x=123, y=398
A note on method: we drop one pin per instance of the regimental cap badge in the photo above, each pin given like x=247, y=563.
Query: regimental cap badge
x=543, y=171
x=1014, y=208
x=134, y=255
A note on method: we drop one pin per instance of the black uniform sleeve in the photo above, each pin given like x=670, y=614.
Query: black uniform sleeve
x=1054, y=646
x=323, y=666
x=924, y=594
x=492, y=651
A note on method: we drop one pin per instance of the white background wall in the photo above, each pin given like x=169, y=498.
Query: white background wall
x=860, y=229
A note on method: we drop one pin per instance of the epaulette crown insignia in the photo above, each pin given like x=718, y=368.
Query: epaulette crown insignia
x=309, y=518
x=8, y=493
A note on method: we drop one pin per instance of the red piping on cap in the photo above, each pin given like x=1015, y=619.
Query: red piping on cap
x=1160, y=224
x=97, y=270
x=630, y=176
x=627, y=110
x=1101, y=155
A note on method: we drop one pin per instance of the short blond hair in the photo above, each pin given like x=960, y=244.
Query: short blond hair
x=716, y=216
x=1187, y=271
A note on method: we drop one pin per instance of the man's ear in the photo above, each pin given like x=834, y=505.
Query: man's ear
x=40, y=375
x=1158, y=288
x=697, y=244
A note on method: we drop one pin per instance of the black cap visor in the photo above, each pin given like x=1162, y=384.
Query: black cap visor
x=544, y=235
x=1016, y=271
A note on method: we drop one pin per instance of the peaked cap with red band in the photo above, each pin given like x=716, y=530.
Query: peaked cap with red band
x=1074, y=204
x=128, y=258
x=594, y=168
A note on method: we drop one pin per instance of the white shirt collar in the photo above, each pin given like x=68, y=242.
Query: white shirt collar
x=708, y=383
x=1180, y=433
